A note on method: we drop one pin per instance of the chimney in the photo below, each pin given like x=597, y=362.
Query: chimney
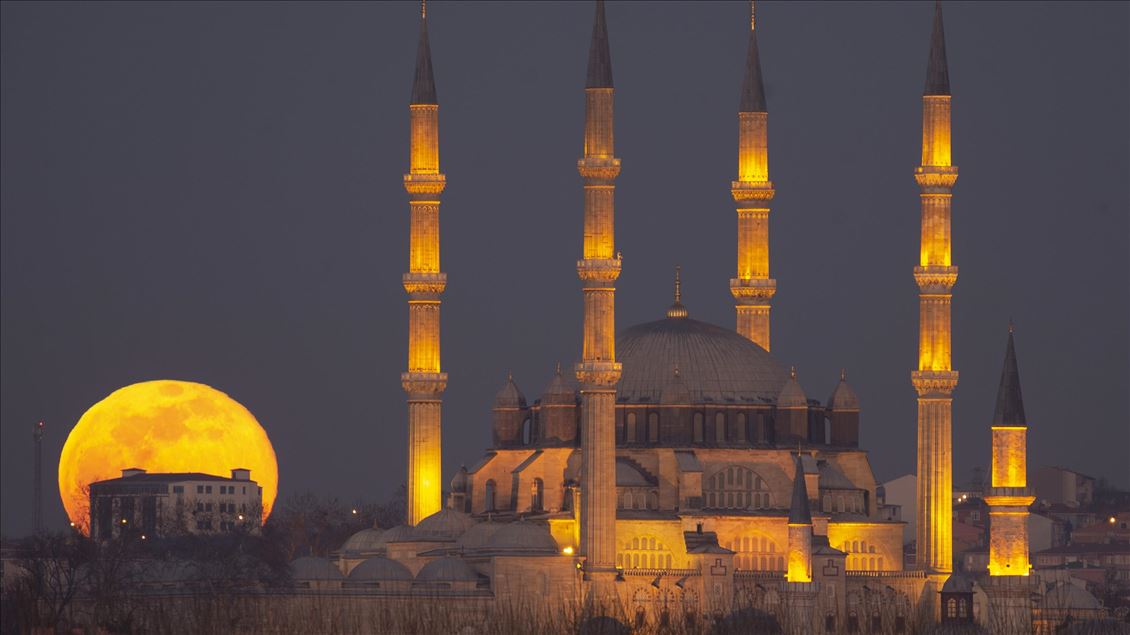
x=240, y=474
x=132, y=471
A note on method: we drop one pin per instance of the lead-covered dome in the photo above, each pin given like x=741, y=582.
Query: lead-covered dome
x=715, y=364
x=368, y=539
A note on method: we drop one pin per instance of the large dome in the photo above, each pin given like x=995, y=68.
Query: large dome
x=715, y=364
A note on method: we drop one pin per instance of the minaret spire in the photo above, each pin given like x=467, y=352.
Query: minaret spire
x=935, y=379
x=424, y=381
x=753, y=192
x=800, y=529
x=677, y=310
x=937, y=71
x=599, y=372
x=1010, y=403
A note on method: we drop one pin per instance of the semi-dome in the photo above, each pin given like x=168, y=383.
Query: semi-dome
x=311, y=568
x=378, y=569
x=715, y=364
x=444, y=525
x=524, y=537
x=447, y=570
x=843, y=397
x=368, y=539
x=509, y=396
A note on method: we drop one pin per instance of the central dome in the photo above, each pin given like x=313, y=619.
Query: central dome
x=714, y=364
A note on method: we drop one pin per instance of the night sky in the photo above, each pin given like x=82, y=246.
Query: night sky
x=212, y=192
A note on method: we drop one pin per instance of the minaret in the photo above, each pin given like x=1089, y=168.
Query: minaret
x=935, y=378
x=753, y=289
x=800, y=530
x=598, y=371
x=424, y=282
x=1009, y=497
x=38, y=478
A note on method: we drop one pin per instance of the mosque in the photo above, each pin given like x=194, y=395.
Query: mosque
x=680, y=470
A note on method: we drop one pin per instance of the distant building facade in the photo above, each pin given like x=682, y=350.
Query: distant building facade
x=164, y=503
x=1057, y=485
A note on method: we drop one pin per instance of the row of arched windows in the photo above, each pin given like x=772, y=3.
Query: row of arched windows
x=850, y=502
x=643, y=552
x=727, y=429
x=736, y=487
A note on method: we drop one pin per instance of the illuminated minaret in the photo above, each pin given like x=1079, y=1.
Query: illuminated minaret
x=935, y=378
x=1009, y=497
x=753, y=289
x=424, y=282
x=800, y=530
x=598, y=371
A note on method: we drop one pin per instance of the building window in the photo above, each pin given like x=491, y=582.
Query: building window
x=974, y=515
x=740, y=428
x=630, y=428
x=720, y=427
x=653, y=428
x=698, y=423
x=527, y=432
x=756, y=553
x=207, y=489
x=876, y=621
x=490, y=491
x=736, y=487
x=178, y=489
x=536, y=495
x=643, y=552
x=199, y=489
x=951, y=608
x=829, y=623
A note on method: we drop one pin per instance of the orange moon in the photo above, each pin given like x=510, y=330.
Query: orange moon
x=164, y=426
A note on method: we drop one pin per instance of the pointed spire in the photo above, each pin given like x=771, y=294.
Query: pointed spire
x=937, y=71
x=799, y=513
x=600, y=60
x=753, y=91
x=1010, y=403
x=423, y=84
x=677, y=310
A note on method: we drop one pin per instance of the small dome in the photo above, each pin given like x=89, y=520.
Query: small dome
x=957, y=583
x=447, y=570
x=509, y=396
x=459, y=481
x=843, y=397
x=525, y=537
x=559, y=391
x=478, y=536
x=399, y=533
x=309, y=568
x=446, y=524
x=1070, y=596
x=379, y=569
x=792, y=395
x=365, y=540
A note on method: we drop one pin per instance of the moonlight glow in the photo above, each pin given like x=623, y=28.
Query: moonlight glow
x=164, y=426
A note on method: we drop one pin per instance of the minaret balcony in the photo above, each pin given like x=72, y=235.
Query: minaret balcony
x=936, y=179
x=934, y=383
x=598, y=374
x=752, y=191
x=425, y=286
x=599, y=169
x=594, y=272
x=425, y=186
x=423, y=386
x=935, y=279
x=753, y=291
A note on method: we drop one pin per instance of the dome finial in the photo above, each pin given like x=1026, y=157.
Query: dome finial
x=792, y=372
x=843, y=374
x=424, y=9
x=1011, y=326
x=509, y=376
x=677, y=309
x=752, y=14
x=557, y=369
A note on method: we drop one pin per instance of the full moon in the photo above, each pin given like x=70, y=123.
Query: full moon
x=163, y=426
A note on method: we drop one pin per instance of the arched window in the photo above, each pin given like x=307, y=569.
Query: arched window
x=527, y=432
x=567, y=500
x=755, y=553
x=828, y=502
x=653, y=428
x=643, y=552
x=720, y=427
x=951, y=608
x=489, y=500
x=698, y=435
x=537, y=495
x=736, y=487
x=653, y=500
x=740, y=428
x=630, y=428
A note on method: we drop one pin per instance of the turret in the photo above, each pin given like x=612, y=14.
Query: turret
x=800, y=530
x=509, y=414
x=557, y=413
x=1009, y=497
x=843, y=411
x=753, y=192
x=792, y=412
x=425, y=282
x=458, y=500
